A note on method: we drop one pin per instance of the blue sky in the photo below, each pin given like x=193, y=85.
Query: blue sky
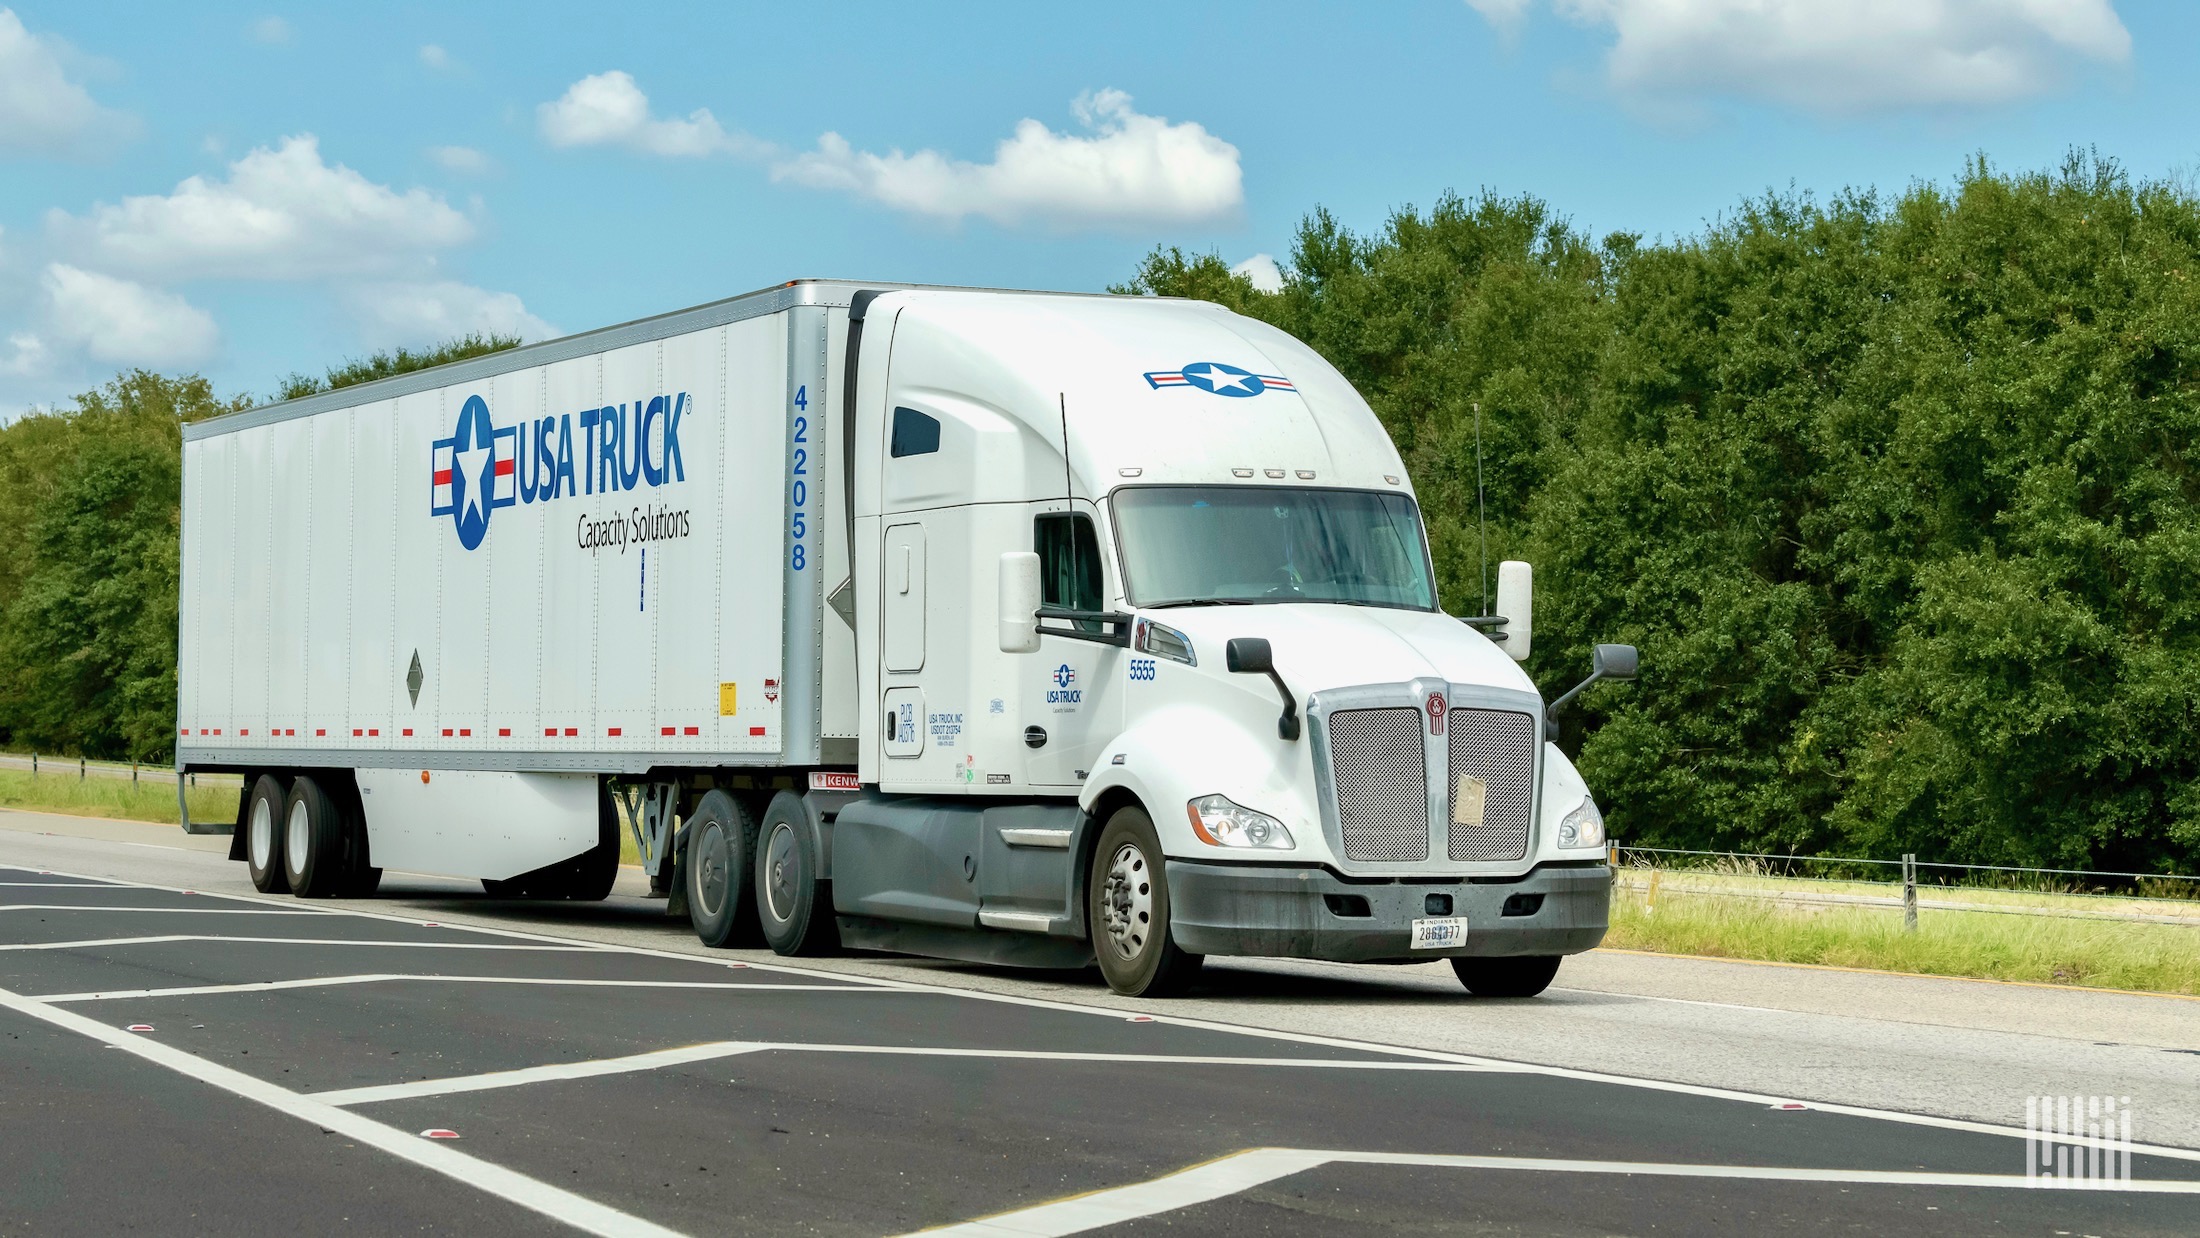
x=251, y=190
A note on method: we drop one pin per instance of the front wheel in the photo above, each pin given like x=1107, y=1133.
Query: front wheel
x=1506, y=976
x=1127, y=908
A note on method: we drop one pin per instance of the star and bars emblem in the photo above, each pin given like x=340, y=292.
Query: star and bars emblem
x=1216, y=378
x=471, y=472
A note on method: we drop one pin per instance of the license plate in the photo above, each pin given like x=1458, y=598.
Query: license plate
x=1439, y=932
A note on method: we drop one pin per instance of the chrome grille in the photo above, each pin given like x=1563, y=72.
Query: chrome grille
x=1498, y=747
x=1382, y=784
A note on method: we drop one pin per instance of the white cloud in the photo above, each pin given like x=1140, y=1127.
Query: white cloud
x=27, y=356
x=608, y=109
x=282, y=214
x=41, y=110
x=1262, y=270
x=1130, y=170
x=269, y=30
x=434, y=56
x=1506, y=15
x=1846, y=55
x=124, y=323
x=391, y=314
x=463, y=159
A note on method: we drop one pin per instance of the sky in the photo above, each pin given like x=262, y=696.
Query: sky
x=247, y=191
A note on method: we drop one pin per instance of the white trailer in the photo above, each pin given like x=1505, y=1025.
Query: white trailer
x=1114, y=637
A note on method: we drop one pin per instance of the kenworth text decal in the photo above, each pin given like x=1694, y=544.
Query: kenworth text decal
x=482, y=467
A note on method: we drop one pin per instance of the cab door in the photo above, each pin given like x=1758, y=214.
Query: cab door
x=901, y=638
x=1074, y=700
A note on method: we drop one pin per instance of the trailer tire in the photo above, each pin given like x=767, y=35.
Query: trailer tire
x=313, y=841
x=1522, y=975
x=263, y=843
x=1127, y=905
x=794, y=906
x=721, y=844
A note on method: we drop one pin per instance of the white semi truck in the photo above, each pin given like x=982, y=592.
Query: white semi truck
x=1012, y=627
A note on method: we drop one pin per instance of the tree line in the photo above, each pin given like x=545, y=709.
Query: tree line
x=1898, y=494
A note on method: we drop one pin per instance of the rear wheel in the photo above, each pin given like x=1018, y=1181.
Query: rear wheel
x=793, y=905
x=314, y=859
x=263, y=842
x=721, y=844
x=1127, y=907
x=1522, y=975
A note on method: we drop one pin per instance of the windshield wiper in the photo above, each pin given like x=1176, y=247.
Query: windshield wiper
x=1174, y=602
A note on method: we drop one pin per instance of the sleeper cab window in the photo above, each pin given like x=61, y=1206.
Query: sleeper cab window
x=914, y=434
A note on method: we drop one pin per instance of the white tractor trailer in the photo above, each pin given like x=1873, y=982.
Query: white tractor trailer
x=1012, y=627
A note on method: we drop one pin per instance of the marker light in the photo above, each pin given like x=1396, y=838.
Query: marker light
x=1163, y=641
x=1583, y=827
x=1221, y=823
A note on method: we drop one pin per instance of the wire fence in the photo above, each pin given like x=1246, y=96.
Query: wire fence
x=47, y=766
x=1992, y=889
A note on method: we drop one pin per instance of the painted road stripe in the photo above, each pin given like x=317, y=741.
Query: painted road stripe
x=314, y=982
x=536, y=1074
x=554, y=1202
x=165, y=911
x=1234, y=1174
x=1670, y=1087
x=296, y=941
x=727, y=1048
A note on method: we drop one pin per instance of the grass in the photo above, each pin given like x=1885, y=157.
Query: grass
x=152, y=799
x=1740, y=917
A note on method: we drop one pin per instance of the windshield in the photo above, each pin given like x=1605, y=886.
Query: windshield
x=1248, y=544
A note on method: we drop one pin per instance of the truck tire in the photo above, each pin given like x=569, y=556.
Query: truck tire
x=721, y=845
x=794, y=906
x=1127, y=905
x=313, y=841
x=263, y=841
x=1506, y=976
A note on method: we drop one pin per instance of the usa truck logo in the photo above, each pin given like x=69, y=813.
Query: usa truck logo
x=1215, y=378
x=470, y=472
x=618, y=447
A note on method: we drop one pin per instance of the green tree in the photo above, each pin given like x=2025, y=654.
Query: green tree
x=395, y=362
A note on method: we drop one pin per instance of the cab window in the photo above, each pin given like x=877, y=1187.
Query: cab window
x=1069, y=561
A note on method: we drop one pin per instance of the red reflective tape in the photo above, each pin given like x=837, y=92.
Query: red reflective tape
x=571, y=731
x=465, y=732
x=693, y=730
x=756, y=730
x=665, y=730
x=373, y=733
x=355, y=732
x=504, y=730
x=408, y=732
x=613, y=731
x=248, y=731
x=217, y=730
x=320, y=733
x=184, y=731
x=446, y=732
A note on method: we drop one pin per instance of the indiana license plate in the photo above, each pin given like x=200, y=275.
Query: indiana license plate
x=1439, y=932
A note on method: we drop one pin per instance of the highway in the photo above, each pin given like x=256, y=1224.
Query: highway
x=433, y=1061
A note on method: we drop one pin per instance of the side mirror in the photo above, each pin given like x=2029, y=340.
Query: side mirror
x=1614, y=662
x=1516, y=605
x=1020, y=596
x=1251, y=655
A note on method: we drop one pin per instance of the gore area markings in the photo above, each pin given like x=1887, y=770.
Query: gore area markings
x=731, y=1048
x=1041, y=1003
x=1232, y=1174
x=554, y=1202
x=315, y=982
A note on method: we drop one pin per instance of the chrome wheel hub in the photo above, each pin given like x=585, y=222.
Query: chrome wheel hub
x=1126, y=902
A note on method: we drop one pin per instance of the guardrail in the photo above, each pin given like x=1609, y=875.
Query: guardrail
x=2160, y=898
x=46, y=766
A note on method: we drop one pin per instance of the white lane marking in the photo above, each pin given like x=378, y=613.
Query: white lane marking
x=294, y=941
x=536, y=1074
x=60, y=885
x=166, y=911
x=723, y=1048
x=1230, y=1175
x=312, y=982
x=554, y=1202
x=1669, y=1087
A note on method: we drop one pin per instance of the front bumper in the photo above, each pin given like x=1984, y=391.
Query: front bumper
x=1246, y=909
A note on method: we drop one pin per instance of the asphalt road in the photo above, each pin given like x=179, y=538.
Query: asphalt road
x=182, y=1057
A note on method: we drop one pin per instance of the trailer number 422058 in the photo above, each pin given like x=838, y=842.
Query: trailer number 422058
x=798, y=484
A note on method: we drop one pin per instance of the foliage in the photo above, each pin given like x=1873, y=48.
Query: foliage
x=390, y=364
x=1897, y=495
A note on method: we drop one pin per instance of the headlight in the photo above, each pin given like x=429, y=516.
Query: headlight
x=1218, y=821
x=1583, y=827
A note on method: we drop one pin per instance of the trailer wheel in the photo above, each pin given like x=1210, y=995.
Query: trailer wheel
x=313, y=841
x=794, y=906
x=263, y=835
x=721, y=843
x=1506, y=976
x=1127, y=905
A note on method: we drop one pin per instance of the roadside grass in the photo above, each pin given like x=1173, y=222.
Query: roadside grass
x=151, y=799
x=1740, y=918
